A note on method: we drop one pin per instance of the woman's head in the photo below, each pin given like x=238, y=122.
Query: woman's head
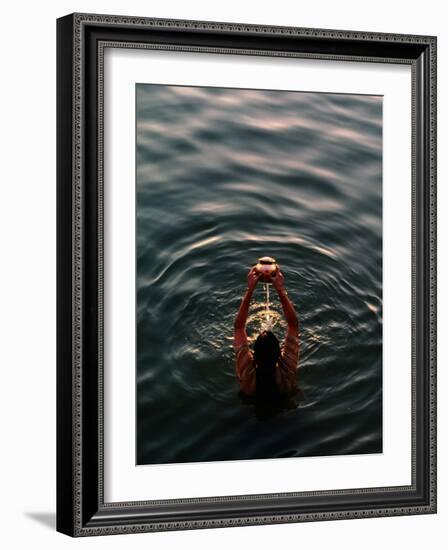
x=266, y=355
x=266, y=350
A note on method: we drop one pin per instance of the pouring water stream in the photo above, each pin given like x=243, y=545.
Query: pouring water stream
x=268, y=322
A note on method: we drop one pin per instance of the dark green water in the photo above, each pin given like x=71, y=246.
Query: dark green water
x=225, y=176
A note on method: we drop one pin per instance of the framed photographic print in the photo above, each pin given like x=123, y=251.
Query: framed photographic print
x=246, y=274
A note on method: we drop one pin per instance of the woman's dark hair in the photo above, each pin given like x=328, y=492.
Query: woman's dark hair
x=266, y=354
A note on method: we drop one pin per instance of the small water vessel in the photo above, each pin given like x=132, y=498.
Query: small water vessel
x=267, y=266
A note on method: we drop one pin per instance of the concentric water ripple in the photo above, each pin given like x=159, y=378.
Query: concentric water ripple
x=226, y=176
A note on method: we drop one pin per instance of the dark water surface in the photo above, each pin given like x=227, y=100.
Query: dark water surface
x=225, y=176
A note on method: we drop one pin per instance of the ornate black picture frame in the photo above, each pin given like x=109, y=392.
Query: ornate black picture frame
x=81, y=508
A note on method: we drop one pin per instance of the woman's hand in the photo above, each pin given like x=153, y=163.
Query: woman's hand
x=278, y=281
x=252, y=278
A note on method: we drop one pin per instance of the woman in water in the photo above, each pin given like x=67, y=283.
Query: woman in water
x=270, y=371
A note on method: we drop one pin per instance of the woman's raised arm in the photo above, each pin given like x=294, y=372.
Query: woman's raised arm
x=240, y=336
x=288, y=307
